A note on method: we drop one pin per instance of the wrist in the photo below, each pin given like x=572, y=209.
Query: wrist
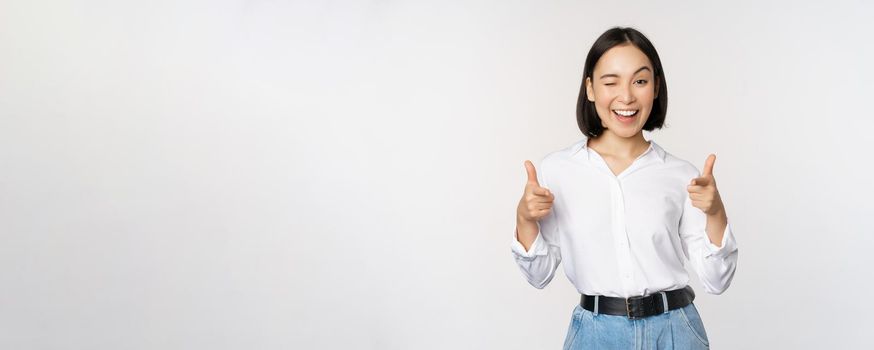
x=718, y=213
x=522, y=221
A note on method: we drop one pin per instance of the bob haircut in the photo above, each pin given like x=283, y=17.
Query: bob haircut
x=587, y=116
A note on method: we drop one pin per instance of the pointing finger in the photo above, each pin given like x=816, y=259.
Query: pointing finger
x=700, y=181
x=695, y=189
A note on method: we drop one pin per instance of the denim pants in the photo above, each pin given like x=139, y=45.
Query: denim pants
x=680, y=328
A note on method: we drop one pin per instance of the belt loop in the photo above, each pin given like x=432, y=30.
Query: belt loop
x=597, y=297
x=665, y=300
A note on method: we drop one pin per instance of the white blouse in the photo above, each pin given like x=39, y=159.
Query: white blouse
x=625, y=235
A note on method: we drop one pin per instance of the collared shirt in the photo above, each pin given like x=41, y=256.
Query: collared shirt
x=625, y=235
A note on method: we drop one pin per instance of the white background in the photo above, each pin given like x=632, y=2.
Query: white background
x=327, y=175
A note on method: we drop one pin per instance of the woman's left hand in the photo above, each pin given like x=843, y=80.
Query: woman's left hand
x=703, y=192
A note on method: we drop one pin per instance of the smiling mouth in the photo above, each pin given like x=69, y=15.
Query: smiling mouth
x=625, y=115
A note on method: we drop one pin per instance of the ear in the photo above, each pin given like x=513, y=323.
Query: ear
x=590, y=92
x=656, y=95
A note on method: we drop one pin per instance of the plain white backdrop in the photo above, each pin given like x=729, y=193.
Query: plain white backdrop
x=344, y=174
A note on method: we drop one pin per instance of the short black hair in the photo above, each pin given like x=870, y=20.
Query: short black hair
x=587, y=116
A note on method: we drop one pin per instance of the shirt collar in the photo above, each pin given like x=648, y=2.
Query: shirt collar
x=582, y=147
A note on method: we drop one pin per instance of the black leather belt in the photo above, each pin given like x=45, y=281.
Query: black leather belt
x=639, y=306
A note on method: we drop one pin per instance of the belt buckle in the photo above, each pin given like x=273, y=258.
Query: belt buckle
x=628, y=302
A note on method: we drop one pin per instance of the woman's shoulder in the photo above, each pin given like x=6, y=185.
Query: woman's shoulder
x=565, y=152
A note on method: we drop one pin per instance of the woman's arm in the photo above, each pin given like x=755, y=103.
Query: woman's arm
x=707, y=237
x=716, y=225
x=539, y=261
x=714, y=260
x=535, y=243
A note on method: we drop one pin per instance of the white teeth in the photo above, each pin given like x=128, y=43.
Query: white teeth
x=625, y=113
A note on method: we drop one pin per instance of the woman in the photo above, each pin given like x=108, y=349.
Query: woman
x=623, y=214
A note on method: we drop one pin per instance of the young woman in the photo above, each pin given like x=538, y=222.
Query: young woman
x=623, y=214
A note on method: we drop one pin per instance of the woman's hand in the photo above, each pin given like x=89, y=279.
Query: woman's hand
x=703, y=191
x=536, y=201
x=705, y=196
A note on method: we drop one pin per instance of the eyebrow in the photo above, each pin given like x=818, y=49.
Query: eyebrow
x=611, y=75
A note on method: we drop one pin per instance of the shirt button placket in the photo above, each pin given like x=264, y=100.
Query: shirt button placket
x=620, y=234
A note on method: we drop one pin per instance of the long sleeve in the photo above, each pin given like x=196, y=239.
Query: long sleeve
x=539, y=263
x=714, y=265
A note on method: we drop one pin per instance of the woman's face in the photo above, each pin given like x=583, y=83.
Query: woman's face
x=623, y=84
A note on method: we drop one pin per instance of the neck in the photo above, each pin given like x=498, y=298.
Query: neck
x=614, y=145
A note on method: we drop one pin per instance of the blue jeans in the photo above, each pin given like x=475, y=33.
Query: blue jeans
x=676, y=329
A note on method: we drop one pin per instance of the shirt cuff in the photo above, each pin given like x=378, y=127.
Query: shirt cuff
x=727, y=247
x=537, y=248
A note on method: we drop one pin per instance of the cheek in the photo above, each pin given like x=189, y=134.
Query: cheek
x=603, y=99
x=647, y=94
x=646, y=98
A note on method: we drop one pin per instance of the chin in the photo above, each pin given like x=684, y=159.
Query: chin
x=625, y=132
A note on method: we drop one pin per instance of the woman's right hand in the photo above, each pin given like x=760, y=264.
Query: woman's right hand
x=536, y=201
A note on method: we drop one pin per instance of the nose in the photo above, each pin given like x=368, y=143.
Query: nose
x=625, y=95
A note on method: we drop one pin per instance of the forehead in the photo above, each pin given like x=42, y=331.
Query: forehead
x=622, y=59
